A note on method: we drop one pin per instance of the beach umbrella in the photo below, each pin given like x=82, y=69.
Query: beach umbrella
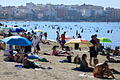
x=17, y=40
x=38, y=30
x=105, y=40
x=68, y=37
x=82, y=43
x=4, y=28
x=10, y=26
x=17, y=29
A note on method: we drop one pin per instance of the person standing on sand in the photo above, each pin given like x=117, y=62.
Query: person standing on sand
x=97, y=43
x=45, y=35
x=28, y=48
x=63, y=40
x=41, y=35
x=93, y=53
x=58, y=36
x=35, y=43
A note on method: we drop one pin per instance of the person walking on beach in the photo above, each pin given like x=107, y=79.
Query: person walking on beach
x=93, y=53
x=41, y=35
x=35, y=43
x=58, y=36
x=63, y=40
x=45, y=35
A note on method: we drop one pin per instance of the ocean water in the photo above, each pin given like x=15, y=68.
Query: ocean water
x=88, y=28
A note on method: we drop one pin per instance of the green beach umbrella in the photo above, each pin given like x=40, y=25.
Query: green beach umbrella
x=105, y=40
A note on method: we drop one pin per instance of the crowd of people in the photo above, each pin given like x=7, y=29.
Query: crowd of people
x=100, y=70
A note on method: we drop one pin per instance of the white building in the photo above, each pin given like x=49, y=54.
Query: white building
x=90, y=10
x=22, y=11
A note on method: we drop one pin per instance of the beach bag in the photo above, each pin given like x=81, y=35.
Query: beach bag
x=44, y=60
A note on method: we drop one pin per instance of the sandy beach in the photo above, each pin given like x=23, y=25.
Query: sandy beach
x=59, y=71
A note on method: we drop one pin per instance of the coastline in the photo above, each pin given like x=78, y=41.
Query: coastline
x=59, y=21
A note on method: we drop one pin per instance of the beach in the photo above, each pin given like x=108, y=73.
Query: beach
x=59, y=71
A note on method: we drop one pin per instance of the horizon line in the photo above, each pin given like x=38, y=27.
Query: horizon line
x=58, y=4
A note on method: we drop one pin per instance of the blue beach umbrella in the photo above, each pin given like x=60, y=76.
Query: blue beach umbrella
x=16, y=29
x=17, y=40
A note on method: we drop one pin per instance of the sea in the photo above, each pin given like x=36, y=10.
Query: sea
x=109, y=30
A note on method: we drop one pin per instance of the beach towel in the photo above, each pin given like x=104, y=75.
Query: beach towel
x=86, y=76
x=19, y=66
x=33, y=57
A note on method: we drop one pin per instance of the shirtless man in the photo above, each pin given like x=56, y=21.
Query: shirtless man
x=102, y=70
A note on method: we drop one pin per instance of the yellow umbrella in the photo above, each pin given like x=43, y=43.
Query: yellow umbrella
x=38, y=30
x=82, y=43
x=10, y=26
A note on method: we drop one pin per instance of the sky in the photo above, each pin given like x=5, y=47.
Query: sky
x=104, y=3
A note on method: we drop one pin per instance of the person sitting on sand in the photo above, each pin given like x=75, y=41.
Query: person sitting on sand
x=10, y=57
x=60, y=53
x=55, y=51
x=84, y=64
x=77, y=60
x=67, y=51
x=102, y=70
x=116, y=51
x=30, y=64
x=18, y=57
x=112, y=60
